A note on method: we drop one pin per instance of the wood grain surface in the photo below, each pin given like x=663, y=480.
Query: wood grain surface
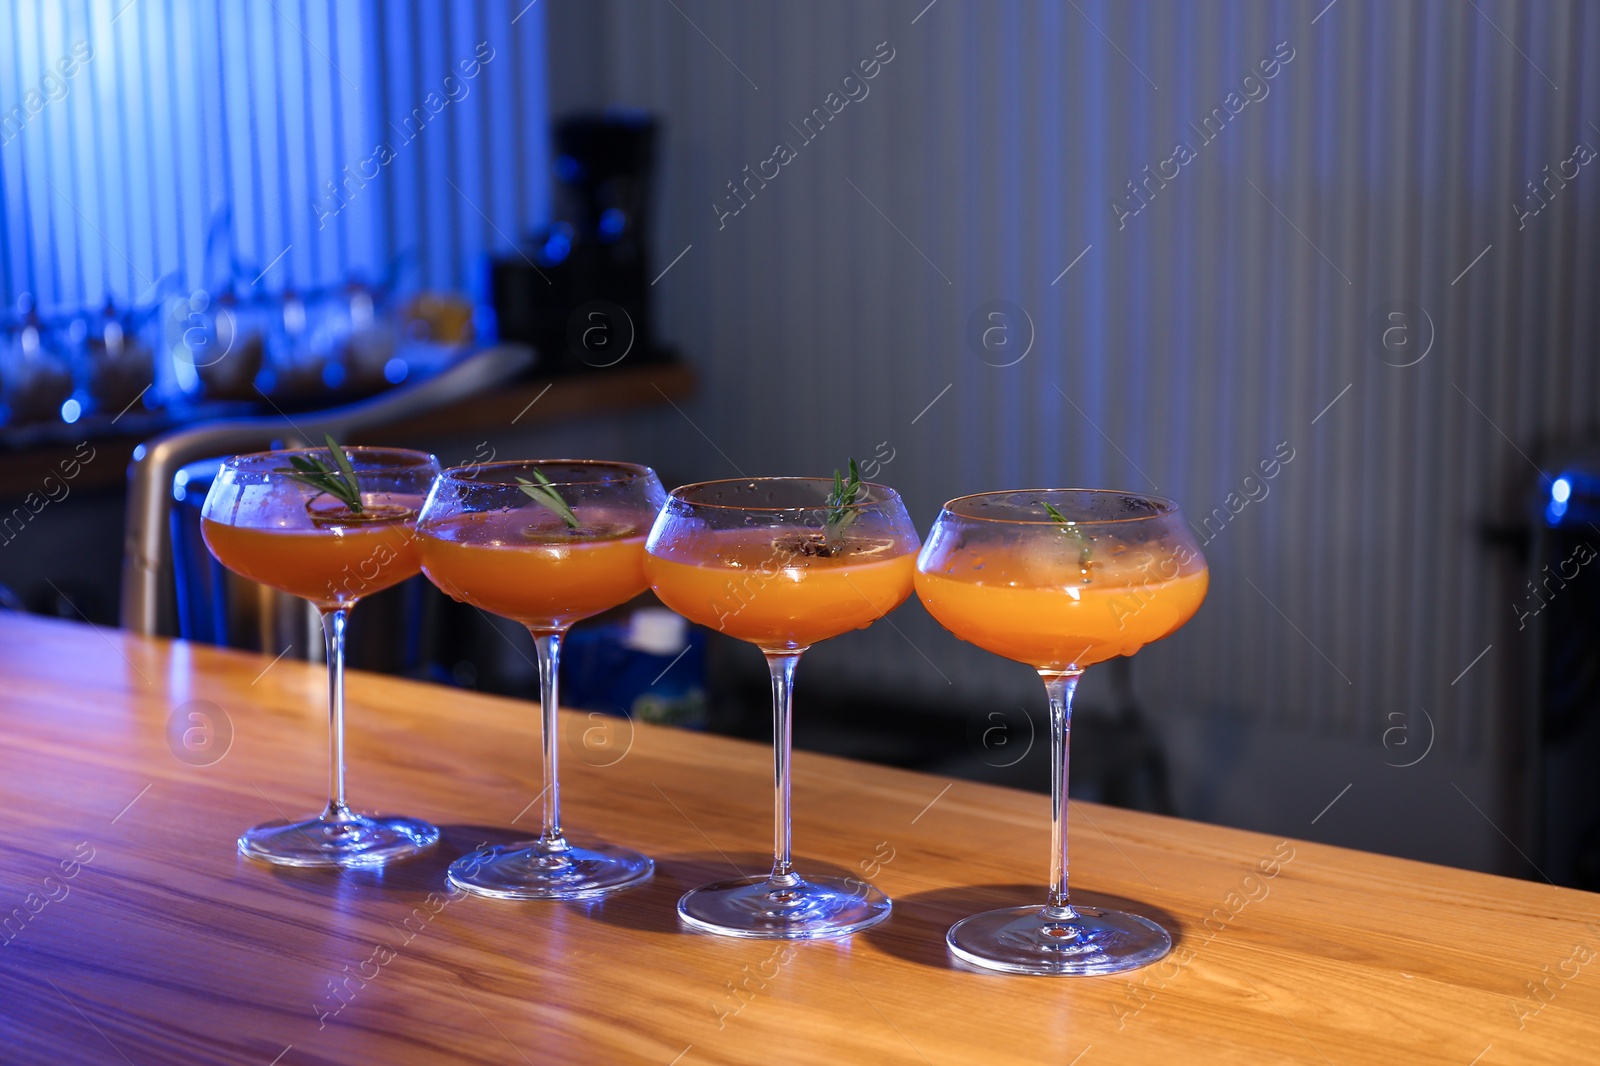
x=133, y=931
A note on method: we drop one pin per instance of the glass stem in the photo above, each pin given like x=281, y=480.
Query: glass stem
x=781, y=665
x=1059, y=687
x=548, y=645
x=333, y=623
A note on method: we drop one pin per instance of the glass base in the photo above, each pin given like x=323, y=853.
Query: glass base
x=1028, y=940
x=344, y=840
x=544, y=871
x=762, y=908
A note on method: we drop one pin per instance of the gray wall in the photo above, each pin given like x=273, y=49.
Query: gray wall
x=1374, y=174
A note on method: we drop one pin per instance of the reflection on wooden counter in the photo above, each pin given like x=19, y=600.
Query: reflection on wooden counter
x=166, y=945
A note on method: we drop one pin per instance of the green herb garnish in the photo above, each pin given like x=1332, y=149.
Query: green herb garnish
x=1069, y=527
x=841, y=502
x=546, y=494
x=338, y=480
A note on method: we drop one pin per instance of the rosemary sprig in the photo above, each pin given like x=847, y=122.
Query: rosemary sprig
x=338, y=480
x=546, y=494
x=840, y=502
x=1069, y=527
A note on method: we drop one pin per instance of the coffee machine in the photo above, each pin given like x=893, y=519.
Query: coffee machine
x=577, y=291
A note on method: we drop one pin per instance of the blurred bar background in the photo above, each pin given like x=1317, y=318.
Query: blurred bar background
x=1182, y=349
x=1369, y=667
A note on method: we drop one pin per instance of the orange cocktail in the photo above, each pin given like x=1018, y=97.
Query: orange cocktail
x=330, y=525
x=1115, y=611
x=537, y=572
x=783, y=563
x=329, y=561
x=545, y=543
x=763, y=588
x=1060, y=579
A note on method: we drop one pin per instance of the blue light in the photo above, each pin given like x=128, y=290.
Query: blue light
x=1561, y=491
x=568, y=168
x=395, y=370
x=70, y=411
x=612, y=223
x=180, y=485
x=556, y=248
x=138, y=452
x=333, y=375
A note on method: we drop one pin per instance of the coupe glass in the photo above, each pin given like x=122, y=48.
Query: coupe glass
x=768, y=561
x=545, y=543
x=1060, y=579
x=262, y=523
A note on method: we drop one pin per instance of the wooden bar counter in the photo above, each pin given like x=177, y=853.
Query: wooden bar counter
x=134, y=933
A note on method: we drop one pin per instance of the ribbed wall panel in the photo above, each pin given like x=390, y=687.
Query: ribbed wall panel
x=190, y=107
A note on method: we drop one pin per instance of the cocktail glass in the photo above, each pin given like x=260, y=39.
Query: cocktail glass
x=545, y=543
x=769, y=561
x=1060, y=579
x=263, y=522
